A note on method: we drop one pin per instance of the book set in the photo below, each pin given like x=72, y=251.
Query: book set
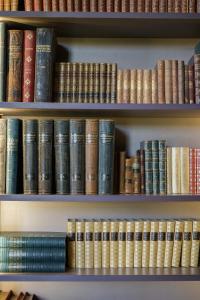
x=14, y=296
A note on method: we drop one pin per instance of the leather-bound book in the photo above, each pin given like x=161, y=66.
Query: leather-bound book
x=67, y=85
x=70, y=5
x=153, y=244
x=80, y=90
x=62, y=5
x=77, y=156
x=126, y=86
x=161, y=81
x=198, y=6
x=2, y=155
x=193, y=6
x=155, y=6
x=38, y=5
x=181, y=82
x=29, y=5
x=62, y=161
x=2, y=61
x=85, y=5
x=141, y=6
x=125, y=6
x=91, y=83
x=193, y=171
x=59, y=82
x=176, y=170
x=168, y=81
x=108, y=83
x=197, y=77
x=140, y=93
x=122, y=157
x=147, y=86
x=45, y=145
x=15, y=56
x=155, y=167
x=91, y=156
x=1, y=5
x=177, y=6
x=163, y=6
x=133, y=86
x=198, y=170
x=128, y=176
x=136, y=173
x=133, y=5
x=96, y=83
x=103, y=80
x=47, y=5
x=30, y=156
x=142, y=170
x=187, y=244
x=184, y=6
x=55, y=6
x=106, y=156
x=146, y=146
x=171, y=7
x=93, y=5
x=117, y=6
x=44, y=64
x=120, y=86
x=162, y=167
x=102, y=5
x=7, y=4
x=113, y=93
x=154, y=90
x=77, y=5
x=187, y=100
x=14, y=5
x=28, y=66
x=86, y=82
x=146, y=243
x=174, y=81
x=148, y=6
x=75, y=83
x=194, y=260
x=110, y=5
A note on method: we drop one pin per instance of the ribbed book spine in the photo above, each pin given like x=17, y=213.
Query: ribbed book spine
x=77, y=156
x=138, y=244
x=163, y=6
x=47, y=5
x=140, y=76
x=198, y=6
x=169, y=170
x=114, y=249
x=147, y=147
x=106, y=156
x=177, y=6
x=96, y=82
x=153, y=244
x=14, y=5
x=162, y=167
x=2, y=155
x=141, y=6
x=93, y=6
x=70, y=5
x=128, y=176
x=169, y=244
x=194, y=260
x=106, y=244
x=181, y=82
x=110, y=5
x=178, y=239
x=155, y=167
x=45, y=156
x=187, y=101
x=7, y=5
x=2, y=61
x=197, y=77
x=174, y=81
x=62, y=161
x=32, y=267
x=133, y=6
x=148, y=6
x=185, y=170
x=155, y=6
x=62, y=5
x=113, y=94
x=44, y=64
x=85, y=5
x=86, y=82
x=191, y=82
x=146, y=244
x=29, y=5
x=67, y=83
x=192, y=6
x=162, y=227
x=198, y=170
x=136, y=173
x=168, y=81
x=193, y=171
x=55, y=6
x=147, y=86
x=30, y=156
x=161, y=81
x=154, y=89
x=89, y=244
x=91, y=83
x=122, y=245
x=97, y=244
x=133, y=86
x=126, y=86
x=59, y=82
x=102, y=5
x=71, y=243
x=187, y=243
x=120, y=79
x=38, y=5
x=176, y=171
x=130, y=228
x=80, y=244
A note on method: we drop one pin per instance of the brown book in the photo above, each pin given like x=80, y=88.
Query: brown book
x=15, y=56
x=102, y=6
x=174, y=81
x=103, y=80
x=55, y=5
x=171, y=7
x=80, y=89
x=184, y=6
x=181, y=81
x=128, y=176
x=163, y=6
x=28, y=5
x=113, y=94
x=126, y=86
x=14, y=5
x=187, y=101
x=154, y=90
x=191, y=84
x=96, y=82
x=161, y=81
x=120, y=86
x=108, y=83
x=141, y=6
x=62, y=5
x=125, y=6
x=86, y=82
x=168, y=81
x=147, y=86
x=133, y=6
x=117, y=5
x=148, y=6
x=122, y=158
x=85, y=5
x=91, y=83
x=198, y=6
x=192, y=6
x=59, y=82
x=93, y=5
x=75, y=83
x=70, y=5
x=177, y=6
x=197, y=77
x=47, y=5
x=91, y=158
x=38, y=5
x=67, y=85
x=155, y=6
x=110, y=5
x=133, y=86
x=139, y=86
x=77, y=5
x=2, y=5
x=136, y=173
x=7, y=5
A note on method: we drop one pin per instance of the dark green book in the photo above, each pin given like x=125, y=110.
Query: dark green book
x=155, y=167
x=62, y=159
x=45, y=156
x=32, y=267
x=146, y=148
x=162, y=167
x=106, y=156
x=77, y=156
x=13, y=152
x=30, y=156
x=2, y=61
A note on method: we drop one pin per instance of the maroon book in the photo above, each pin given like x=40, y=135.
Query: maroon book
x=28, y=66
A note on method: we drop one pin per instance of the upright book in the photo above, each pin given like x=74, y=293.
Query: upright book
x=2, y=60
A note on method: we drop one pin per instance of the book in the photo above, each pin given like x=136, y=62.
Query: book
x=29, y=5
x=181, y=82
x=148, y=6
x=198, y=170
x=130, y=228
x=38, y=5
x=136, y=173
x=178, y=6
x=138, y=244
x=178, y=238
x=128, y=176
x=120, y=74
x=106, y=244
x=161, y=81
x=163, y=6
x=80, y=244
x=146, y=243
x=55, y=5
x=141, y=5
x=187, y=243
x=155, y=6
x=174, y=81
x=187, y=101
x=98, y=244
x=133, y=5
x=3, y=125
x=140, y=76
x=7, y=4
x=32, y=267
x=122, y=244
x=14, y=5
x=176, y=170
x=93, y=6
x=47, y=5
x=155, y=167
x=71, y=243
x=133, y=86
x=102, y=5
x=193, y=171
x=146, y=146
x=70, y=5
x=169, y=170
x=168, y=81
x=103, y=82
x=184, y=170
x=197, y=77
x=114, y=249
x=113, y=93
x=154, y=89
x=169, y=243
x=191, y=87
x=2, y=61
x=147, y=86
x=194, y=260
x=162, y=167
x=109, y=5
x=89, y=244
x=162, y=227
x=96, y=82
x=85, y=5
x=62, y=5
x=153, y=244
x=91, y=83
x=126, y=86
x=122, y=173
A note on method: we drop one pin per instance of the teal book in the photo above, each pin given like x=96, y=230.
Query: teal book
x=162, y=167
x=32, y=267
x=2, y=61
x=155, y=167
x=146, y=146
x=106, y=156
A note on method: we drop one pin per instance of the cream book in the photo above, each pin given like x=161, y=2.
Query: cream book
x=146, y=243
x=97, y=244
x=162, y=227
x=106, y=244
x=122, y=245
x=185, y=169
x=153, y=244
x=178, y=239
x=89, y=244
x=187, y=243
x=194, y=259
x=169, y=244
x=80, y=244
x=176, y=170
x=130, y=228
x=138, y=244
x=169, y=170
x=71, y=243
x=114, y=233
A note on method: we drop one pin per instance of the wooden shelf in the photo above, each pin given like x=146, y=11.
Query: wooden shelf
x=162, y=25
x=136, y=274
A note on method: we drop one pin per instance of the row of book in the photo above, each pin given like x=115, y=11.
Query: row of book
x=63, y=156
x=147, y=6
x=9, y=5
x=32, y=252
x=21, y=296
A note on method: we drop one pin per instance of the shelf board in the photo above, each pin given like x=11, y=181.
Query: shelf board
x=165, y=25
x=100, y=198
x=136, y=274
x=105, y=110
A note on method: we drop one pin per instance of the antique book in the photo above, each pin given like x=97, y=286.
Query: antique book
x=30, y=156
x=96, y=83
x=163, y=6
x=187, y=243
x=130, y=228
x=120, y=74
x=161, y=81
x=128, y=176
x=148, y=6
x=140, y=86
x=80, y=244
x=77, y=156
x=133, y=86
x=7, y=5
x=77, y=5
x=169, y=244
x=184, y=6
x=171, y=7
x=191, y=88
x=122, y=245
x=91, y=156
x=177, y=6
x=113, y=93
x=169, y=170
x=181, y=82
x=126, y=86
x=102, y=5
x=2, y=61
x=29, y=5
x=1, y=5
x=198, y=170
x=38, y=5
x=71, y=243
x=138, y=244
x=28, y=66
x=86, y=82
x=198, y=6
x=62, y=5
x=108, y=83
x=142, y=170
x=153, y=244
x=91, y=83
x=15, y=56
x=55, y=6
x=155, y=167
x=155, y=6
x=133, y=6
x=146, y=146
x=2, y=155
x=80, y=85
x=168, y=81
x=136, y=173
x=192, y=6
x=122, y=172
x=85, y=5
x=89, y=244
x=114, y=244
x=197, y=77
x=75, y=83
x=146, y=243
x=98, y=244
x=187, y=101
x=59, y=82
x=45, y=164
x=141, y=6
x=193, y=171
x=67, y=83
x=174, y=81
x=14, y=5
x=162, y=228
x=70, y=5
x=110, y=5
x=194, y=260
x=62, y=160
x=44, y=64
x=93, y=5
x=178, y=239
x=184, y=170
x=154, y=86
x=103, y=81
x=47, y=5
x=176, y=170
x=106, y=156
x=106, y=244
x=162, y=167
x=147, y=86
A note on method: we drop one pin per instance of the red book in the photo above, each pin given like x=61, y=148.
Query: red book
x=198, y=171
x=28, y=5
x=38, y=5
x=28, y=66
x=193, y=171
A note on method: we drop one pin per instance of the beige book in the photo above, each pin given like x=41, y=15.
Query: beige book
x=133, y=86
x=114, y=233
x=139, y=86
x=138, y=244
x=126, y=86
x=119, y=86
x=168, y=81
x=169, y=244
x=97, y=244
x=89, y=244
x=130, y=228
x=153, y=244
x=178, y=239
x=161, y=243
x=154, y=90
x=147, y=86
x=71, y=243
x=169, y=170
x=122, y=245
x=106, y=244
x=176, y=171
x=185, y=169
x=80, y=244
x=146, y=244
x=194, y=260
x=187, y=243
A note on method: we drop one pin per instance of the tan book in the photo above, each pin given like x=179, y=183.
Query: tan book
x=153, y=244
x=169, y=170
x=80, y=244
x=148, y=6
x=147, y=86
x=171, y=7
x=139, y=86
x=174, y=81
x=2, y=5
x=71, y=243
x=162, y=6
x=168, y=81
x=161, y=243
x=154, y=90
x=80, y=91
x=128, y=176
x=108, y=83
x=138, y=244
x=194, y=259
x=97, y=244
x=184, y=6
x=187, y=243
x=75, y=84
x=122, y=245
x=130, y=228
x=89, y=244
x=7, y=4
x=106, y=244
x=3, y=144
x=185, y=169
x=122, y=172
x=86, y=82
x=169, y=244
x=161, y=81
x=136, y=174
x=126, y=86
x=146, y=243
x=181, y=82
x=178, y=239
x=133, y=86
x=91, y=83
x=119, y=86
x=103, y=81
x=14, y=5
x=177, y=6
x=68, y=82
x=176, y=171
x=114, y=249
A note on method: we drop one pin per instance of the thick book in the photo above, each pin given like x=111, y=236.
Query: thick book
x=89, y=244
x=177, y=6
x=96, y=82
x=146, y=243
x=110, y=5
x=106, y=156
x=126, y=86
x=169, y=170
x=194, y=260
x=187, y=243
x=77, y=156
x=30, y=156
x=122, y=172
x=93, y=5
x=191, y=83
x=59, y=82
x=7, y=4
x=198, y=170
x=32, y=267
x=55, y=6
x=3, y=126
x=70, y=5
x=80, y=244
x=71, y=243
x=147, y=86
x=130, y=228
x=128, y=176
x=113, y=93
x=14, y=5
x=136, y=173
x=120, y=74
x=148, y=6
x=91, y=83
x=174, y=81
x=45, y=165
x=178, y=239
x=47, y=5
x=133, y=86
x=142, y=170
x=2, y=61
x=102, y=5
x=114, y=247
x=122, y=244
x=181, y=82
x=141, y=6
x=155, y=6
x=192, y=6
x=187, y=100
x=29, y=5
x=176, y=170
x=146, y=146
x=97, y=244
x=154, y=86
x=44, y=64
x=163, y=6
x=197, y=77
x=62, y=156
x=133, y=6
x=85, y=5
x=38, y=5
x=140, y=77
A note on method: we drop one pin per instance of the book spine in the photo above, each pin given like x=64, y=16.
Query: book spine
x=171, y=7
x=38, y=5
x=153, y=244
x=97, y=244
x=77, y=156
x=198, y=170
x=61, y=148
x=29, y=5
x=14, y=5
x=110, y=6
x=168, y=81
x=147, y=146
x=91, y=83
x=192, y=6
x=169, y=244
x=77, y=5
x=71, y=243
x=163, y=6
x=133, y=86
x=161, y=244
x=155, y=6
x=122, y=173
x=113, y=93
x=59, y=82
x=89, y=244
x=128, y=176
x=138, y=244
x=140, y=86
x=197, y=77
x=75, y=82
x=103, y=82
x=96, y=82
x=106, y=156
x=194, y=260
x=174, y=81
x=147, y=86
x=28, y=66
x=85, y=5
x=55, y=6
x=120, y=79
x=146, y=244
x=108, y=83
x=30, y=148
x=142, y=171
x=32, y=267
x=148, y=6
x=45, y=156
x=47, y=5
x=177, y=6
x=178, y=238
x=26, y=241
x=141, y=6
x=114, y=250
x=176, y=171
x=80, y=244
x=44, y=64
x=67, y=83
x=184, y=6
x=191, y=84
x=62, y=5
x=136, y=174
x=70, y=5
x=122, y=245
x=162, y=167
x=1, y=5
x=169, y=170
x=106, y=244
x=154, y=90
x=80, y=86
x=91, y=160
x=185, y=169
x=125, y=5
x=102, y=5
x=2, y=61
x=15, y=50
x=181, y=82
x=193, y=171
x=133, y=6
x=155, y=167
x=198, y=6
x=187, y=100
x=7, y=4
x=86, y=83
x=161, y=81
x=93, y=5
x=130, y=228
x=187, y=243
x=2, y=155
x=12, y=155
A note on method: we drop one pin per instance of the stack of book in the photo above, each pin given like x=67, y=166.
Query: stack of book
x=147, y=6
x=32, y=252
x=21, y=296
x=133, y=243
x=9, y=5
